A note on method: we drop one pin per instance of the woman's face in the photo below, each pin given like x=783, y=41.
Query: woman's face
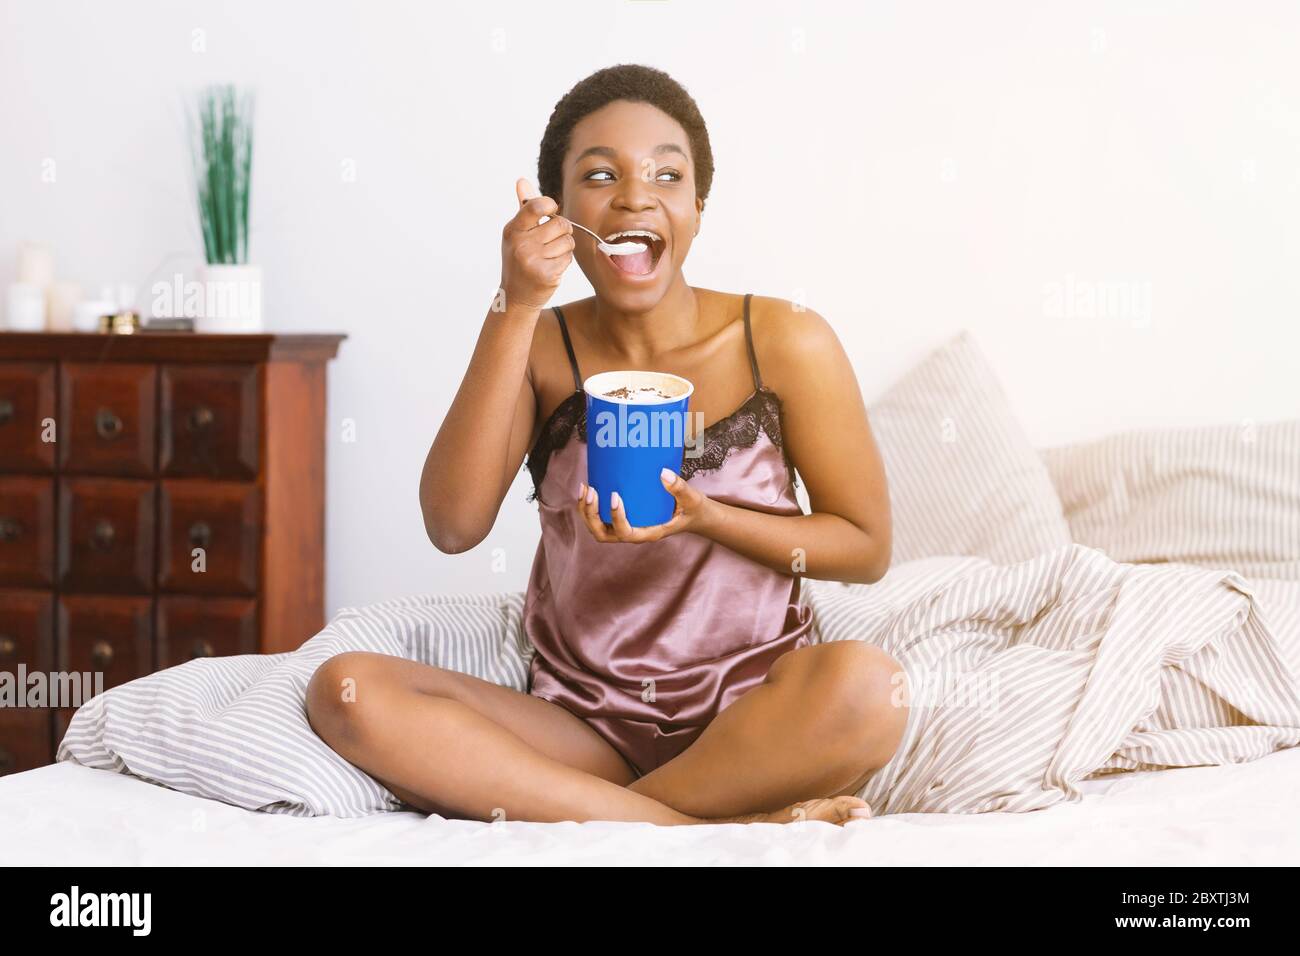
x=629, y=167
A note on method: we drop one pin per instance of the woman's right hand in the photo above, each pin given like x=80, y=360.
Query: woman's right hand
x=534, y=257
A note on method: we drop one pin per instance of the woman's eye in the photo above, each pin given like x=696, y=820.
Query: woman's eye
x=676, y=176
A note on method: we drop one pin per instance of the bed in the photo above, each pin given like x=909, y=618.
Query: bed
x=67, y=814
x=1149, y=582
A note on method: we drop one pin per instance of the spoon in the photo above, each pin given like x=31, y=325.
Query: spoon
x=613, y=248
x=609, y=248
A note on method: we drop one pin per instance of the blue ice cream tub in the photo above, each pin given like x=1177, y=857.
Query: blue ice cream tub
x=636, y=426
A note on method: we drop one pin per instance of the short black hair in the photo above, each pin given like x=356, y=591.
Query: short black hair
x=626, y=81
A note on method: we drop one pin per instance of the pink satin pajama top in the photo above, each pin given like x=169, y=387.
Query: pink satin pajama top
x=648, y=642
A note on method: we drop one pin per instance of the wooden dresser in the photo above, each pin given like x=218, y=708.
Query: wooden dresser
x=162, y=497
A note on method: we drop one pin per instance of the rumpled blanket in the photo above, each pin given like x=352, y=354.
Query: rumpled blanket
x=1022, y=680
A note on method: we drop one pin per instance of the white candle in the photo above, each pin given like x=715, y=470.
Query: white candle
x=26, y=311
x=35, y=264
x=61, y=300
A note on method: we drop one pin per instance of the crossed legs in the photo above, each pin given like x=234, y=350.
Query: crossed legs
x=797, y=746
x=826, y=718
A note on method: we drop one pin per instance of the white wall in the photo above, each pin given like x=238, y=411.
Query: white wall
x=976, y=153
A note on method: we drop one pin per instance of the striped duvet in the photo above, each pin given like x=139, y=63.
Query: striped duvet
x=1024, y=679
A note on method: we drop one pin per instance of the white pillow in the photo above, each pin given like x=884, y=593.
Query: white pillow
x=1221, y=496
x=963, y=477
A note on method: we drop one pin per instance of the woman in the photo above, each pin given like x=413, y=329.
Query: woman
x=676, y=680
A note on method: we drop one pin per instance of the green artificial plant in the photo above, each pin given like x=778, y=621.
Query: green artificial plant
x=221, y=142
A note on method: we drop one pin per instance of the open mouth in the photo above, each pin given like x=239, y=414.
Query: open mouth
x=639, y=263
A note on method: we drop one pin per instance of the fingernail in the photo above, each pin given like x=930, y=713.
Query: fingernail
x=615, y=501
x=582, y=490
x=668, y=475
x=860, y=812
x=591, y=495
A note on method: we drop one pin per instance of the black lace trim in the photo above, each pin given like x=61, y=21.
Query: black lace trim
x=555, y=435
x=760, y=413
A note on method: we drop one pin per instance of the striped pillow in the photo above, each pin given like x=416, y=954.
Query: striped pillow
x=963, y=477
x=235, y=728
x=1223, y=496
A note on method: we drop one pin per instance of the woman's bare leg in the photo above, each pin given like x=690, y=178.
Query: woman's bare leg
x=456, y=745
x=824, y=720
x=417, y=730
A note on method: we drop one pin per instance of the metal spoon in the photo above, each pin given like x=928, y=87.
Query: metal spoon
x=614, y=248
x=609, y=248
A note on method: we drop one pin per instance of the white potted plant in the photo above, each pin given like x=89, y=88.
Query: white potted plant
x=222, y=145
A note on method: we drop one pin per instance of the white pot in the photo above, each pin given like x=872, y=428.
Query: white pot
x=231, y=300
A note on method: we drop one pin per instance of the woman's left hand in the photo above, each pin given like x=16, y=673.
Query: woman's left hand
x=692, y=510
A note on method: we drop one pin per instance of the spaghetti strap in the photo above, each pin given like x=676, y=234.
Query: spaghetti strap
x=749, y=343
x=568, y=347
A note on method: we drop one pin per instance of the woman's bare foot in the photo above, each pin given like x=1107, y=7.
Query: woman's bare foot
x=836, y=810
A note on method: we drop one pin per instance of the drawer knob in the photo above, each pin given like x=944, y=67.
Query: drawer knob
x=10, y=529
x=107, y=425
x=8, y=646
x=201, y=648
x=201, y=418
x=200, y=534
x=101, y=655
x=104, y=533
x=6, y=411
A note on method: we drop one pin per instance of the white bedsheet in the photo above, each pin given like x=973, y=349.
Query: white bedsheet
x=1238, y=814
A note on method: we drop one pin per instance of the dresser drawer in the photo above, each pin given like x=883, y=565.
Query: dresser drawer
x=108, y=635
x=26, y=631
x=121, y=456
x=210, y=536
x=188, y=628
x=209, y=417
x=25, y=737
x=26, y=412
x=107, y=422
x=106, y=532
x=26, y=532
